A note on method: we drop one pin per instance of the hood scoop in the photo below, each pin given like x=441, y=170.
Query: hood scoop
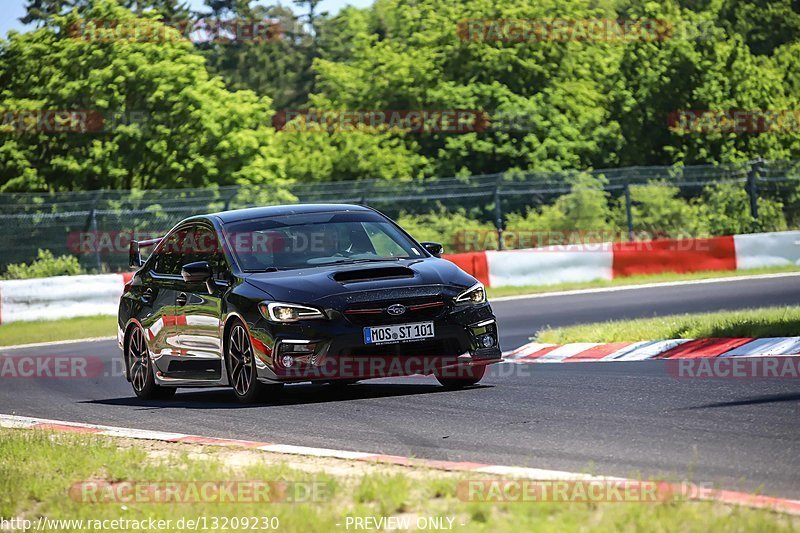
x=370, y=274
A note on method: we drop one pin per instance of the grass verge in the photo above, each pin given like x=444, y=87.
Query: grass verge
x=38, y=468
x=761, y=322
x=498, y=292
x=57, y=330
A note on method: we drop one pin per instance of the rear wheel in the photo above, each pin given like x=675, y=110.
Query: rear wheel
x=241, y=362
x=456, y=378
x=140, y=369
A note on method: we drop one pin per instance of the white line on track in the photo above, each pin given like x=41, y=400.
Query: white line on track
x=729, y=279
x=55, y=343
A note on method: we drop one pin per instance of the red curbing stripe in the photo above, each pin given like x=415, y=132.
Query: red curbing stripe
x=426, y=463
x=539, y=353
x=450, y=465
x=194, y=439
x=749, y=500
x=66, y=428
x=596, y=352
x=700, y=348
x=389, y=459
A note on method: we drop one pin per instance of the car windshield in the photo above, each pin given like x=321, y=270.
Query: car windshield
x=315, y=239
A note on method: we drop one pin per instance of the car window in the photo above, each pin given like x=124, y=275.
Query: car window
x=312, y=239
x=171, y=254
x=383, y=242
x=206, y=247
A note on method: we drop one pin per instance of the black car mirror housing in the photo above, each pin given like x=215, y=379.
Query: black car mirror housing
x=197, y=272
x=433, y=248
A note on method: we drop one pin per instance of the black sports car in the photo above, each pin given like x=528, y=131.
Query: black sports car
x=259, y=297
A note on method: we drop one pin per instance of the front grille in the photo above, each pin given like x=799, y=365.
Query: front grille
x=375, y=313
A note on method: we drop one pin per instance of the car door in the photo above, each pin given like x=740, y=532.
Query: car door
x=199, y=311
x=162, y=281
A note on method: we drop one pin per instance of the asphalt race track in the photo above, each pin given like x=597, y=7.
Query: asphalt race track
x=622, y=419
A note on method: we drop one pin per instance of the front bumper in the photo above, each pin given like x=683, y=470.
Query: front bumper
x=324, y=350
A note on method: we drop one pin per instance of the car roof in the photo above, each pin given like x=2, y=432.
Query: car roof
x=279, y=210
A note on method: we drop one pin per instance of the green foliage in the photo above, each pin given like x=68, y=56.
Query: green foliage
x=584, y=208
x=180, y=114
x=726, y=210
x=658, y=210
x=166, y=122
x=448, y=228
x=45, y=265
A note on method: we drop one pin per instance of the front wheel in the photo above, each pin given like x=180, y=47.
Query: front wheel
x=140, y=369
x=241, y=361
x=456, y=378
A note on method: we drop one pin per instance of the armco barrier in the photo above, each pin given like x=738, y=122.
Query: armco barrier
x=60, y=297
x=586, y=262
x=70, y=296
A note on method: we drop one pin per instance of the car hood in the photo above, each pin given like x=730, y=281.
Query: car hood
x=361, y=282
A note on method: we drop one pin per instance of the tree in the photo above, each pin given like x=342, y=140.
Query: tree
x=38, y=11
x=279, y=68
x=148, y=114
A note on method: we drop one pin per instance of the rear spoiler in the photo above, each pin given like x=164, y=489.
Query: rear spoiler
x=134, y=257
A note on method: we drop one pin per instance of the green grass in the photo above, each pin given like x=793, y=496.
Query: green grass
x=57, y=330
x=38, y=468
x=498, y=292
x=762, y=322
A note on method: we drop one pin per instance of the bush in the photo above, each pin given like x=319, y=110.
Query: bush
x=453, y=229
x=726, y=208
x=658, y=210
x=45, y=265
x=584, y=208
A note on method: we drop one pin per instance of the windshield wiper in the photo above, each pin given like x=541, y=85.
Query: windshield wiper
x=351, y=261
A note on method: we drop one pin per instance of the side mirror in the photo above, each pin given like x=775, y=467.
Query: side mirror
x=433, y=248
x=196, y=272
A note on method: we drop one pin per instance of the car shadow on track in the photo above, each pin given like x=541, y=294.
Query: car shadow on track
x=773, y=398
x=302, y=394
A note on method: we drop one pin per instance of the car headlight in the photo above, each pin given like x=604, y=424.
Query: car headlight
x=474, y=295
x=284, y=312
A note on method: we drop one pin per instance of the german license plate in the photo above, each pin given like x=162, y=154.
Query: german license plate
x=398, y=333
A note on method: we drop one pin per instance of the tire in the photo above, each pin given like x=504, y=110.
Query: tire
x=467, y=377
x=241, y=364
x=140, y=369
